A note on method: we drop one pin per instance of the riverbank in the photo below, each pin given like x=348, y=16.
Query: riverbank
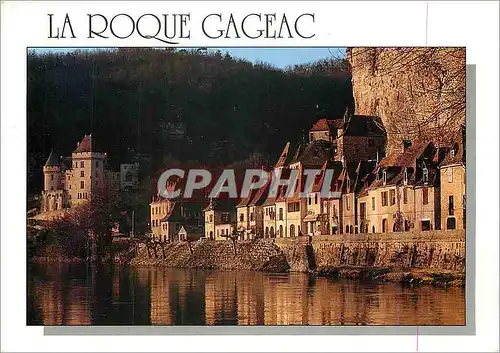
x=436, y=258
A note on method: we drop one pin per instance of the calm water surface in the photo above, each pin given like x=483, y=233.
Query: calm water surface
x=64, y=294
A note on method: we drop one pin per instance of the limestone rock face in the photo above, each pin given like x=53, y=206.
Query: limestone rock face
x=417, y=92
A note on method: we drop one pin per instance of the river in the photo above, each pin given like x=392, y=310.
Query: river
x=76, y=294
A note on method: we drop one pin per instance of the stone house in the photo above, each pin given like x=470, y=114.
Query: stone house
x=400, y=194
x=159, y=208
x=361, y=138
x=352, y=137
x=129, y=176
x=331, y=220
x=220, y=219
x=453, y=185
x=269, y=217
x=250, y=213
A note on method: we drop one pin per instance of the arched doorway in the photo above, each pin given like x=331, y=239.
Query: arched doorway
x=266, y=234
x=407, y=225
x=384, y=225
x=373, y=229
x=292, y=230
x=271, y=232
x=211, y=237
x=281, y=231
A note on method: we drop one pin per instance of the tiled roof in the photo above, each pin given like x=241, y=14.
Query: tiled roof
x=85, y=145
x=314, y=154
x=174, y=215
x=321, y=125
x=458, y=148
x=363, y=125
x=261, y=195
x=327, y=124
x=53, y=160
x=285, y=155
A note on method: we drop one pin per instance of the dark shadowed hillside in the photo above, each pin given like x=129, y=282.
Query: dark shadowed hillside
x=174, y=105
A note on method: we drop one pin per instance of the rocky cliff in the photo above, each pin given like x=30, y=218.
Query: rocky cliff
x=415, y=91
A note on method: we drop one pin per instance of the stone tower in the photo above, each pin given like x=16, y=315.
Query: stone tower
x=53, y=193
x=87, y=172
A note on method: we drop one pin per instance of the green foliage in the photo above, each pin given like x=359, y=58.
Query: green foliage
x=170, y=105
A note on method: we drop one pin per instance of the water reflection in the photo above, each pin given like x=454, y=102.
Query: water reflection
x=83, y=295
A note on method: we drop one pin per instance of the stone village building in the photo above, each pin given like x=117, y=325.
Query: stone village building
x=175, y=219
x=452, y=175
x=330, y=143
x=421, y=187
x=402, y=192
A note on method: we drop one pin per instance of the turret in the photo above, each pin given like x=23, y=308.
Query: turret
x=52, y=173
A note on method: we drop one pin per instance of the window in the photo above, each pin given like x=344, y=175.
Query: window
x=426, y=225
x=226, y=218
x=405, y=196
x=370, y=143
x=51, y=176
x=281, y=214
x=385, y=177
x=82, y=164
x=373, y=204
x=293, y=207
x=373, y=229
x=218, y=232
x=315, y=199
x=281, y=231
x=251, y=217
x=451, y=223
x=82, y=184
x=406, y=176
x=292, y=230
x=309, y=199
x=82, y=174
x=128, y=176
x=242, y=217
x=425, y=196
x=347, y=205
x=449, y=174
x=451, y=207
x=334, y=210
x=267, y=211
x=211, y=217
x=392, y=194
x=384, y=198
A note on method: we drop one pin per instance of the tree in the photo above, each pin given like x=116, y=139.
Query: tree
x=92, y=220
x=233, y=236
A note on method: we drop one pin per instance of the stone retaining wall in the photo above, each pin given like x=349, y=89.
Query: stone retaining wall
x=443, y=250
x=439, y=250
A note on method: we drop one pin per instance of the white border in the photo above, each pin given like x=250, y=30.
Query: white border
x=473, y=24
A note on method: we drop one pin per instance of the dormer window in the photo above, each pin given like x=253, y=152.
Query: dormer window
x=385, y=177
x=452, y=153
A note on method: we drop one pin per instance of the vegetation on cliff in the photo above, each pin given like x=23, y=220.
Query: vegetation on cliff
x=164, y=106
